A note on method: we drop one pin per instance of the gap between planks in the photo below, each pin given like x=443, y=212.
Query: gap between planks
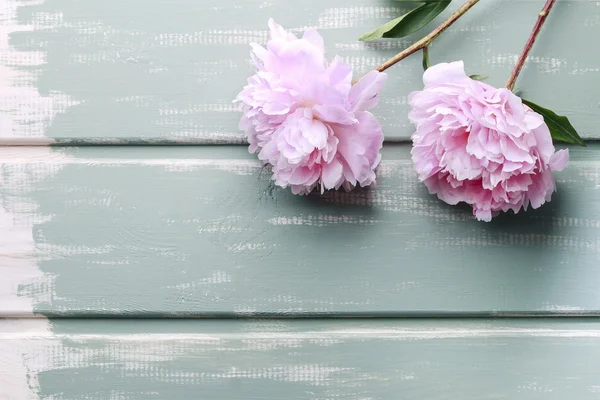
x=347, y=316
x=140, y=141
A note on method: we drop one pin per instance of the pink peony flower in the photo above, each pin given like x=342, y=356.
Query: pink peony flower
x=481, y=145
x=305, y=118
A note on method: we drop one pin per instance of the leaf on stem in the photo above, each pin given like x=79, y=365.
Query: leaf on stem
x=477, y=77
x=410, y=22
x=560, y=127
x=426, y=63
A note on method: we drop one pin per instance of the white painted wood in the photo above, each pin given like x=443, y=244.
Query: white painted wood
x=16, y=380
x=18, y=266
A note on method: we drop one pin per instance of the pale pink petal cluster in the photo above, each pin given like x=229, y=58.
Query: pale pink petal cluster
x=481, y=145
x=305, y=118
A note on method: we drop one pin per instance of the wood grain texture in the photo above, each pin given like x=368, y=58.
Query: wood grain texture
x=200, y=231
x=119, y=71
x=95, y=360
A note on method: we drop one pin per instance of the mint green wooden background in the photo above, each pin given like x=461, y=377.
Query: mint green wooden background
x=180, y=272
x=168, y=70
x=201, y=231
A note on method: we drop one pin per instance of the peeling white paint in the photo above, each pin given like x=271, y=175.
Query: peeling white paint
x=361, y=64
x=23, y=110
x=212, y=37
x=582, y=70
x=562, y=308
x=217, y=278
x=274, y=352
x=24, y=113
x=594, y=389
x=546, y=65
x=201, y=108
x=536, y=387
x=16, y=381
x=202, y=136
x=30, y=156
x=346, y=334
x=322, y=220
x=332, y=18
x=246, y=247
x=396, y=44
x=22, y=283
x=315, y=374
x=350, y=17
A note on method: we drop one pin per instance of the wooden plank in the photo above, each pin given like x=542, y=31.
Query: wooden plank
x=201, y=231
x=158, y=71
x=181, y=360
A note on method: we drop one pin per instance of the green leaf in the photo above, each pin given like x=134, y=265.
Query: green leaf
x=560, y=127
x=426, y=63
x=408, y=23
x=476, y=77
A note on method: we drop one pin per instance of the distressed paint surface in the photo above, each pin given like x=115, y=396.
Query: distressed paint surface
x=452, y=359
x=115, y=71
x=200, y=231
x=25, y=110
x=19, y=266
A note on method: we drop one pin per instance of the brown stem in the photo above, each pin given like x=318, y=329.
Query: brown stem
x=510, y=84
x=429, y=38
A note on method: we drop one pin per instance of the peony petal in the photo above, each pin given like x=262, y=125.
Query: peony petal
x=340, y=75
x=509, y=166
x=260, y=52
x=277, y=31
x=513, y=153
x=312, y=36
x=269, y=152
x=559, y=160
x=532, y=119
x=315, y=132
x=425, y=161
x=304, y=176
x=334, y=115
x=518, y=183
x=359, y=145
x=543, y=141
x=444, y=73
x=330, y=150
x=299, y=117
x=331, y=175
x=272, y=108
x=482, y=214
x=363, y=95
x=439, y=186
x=541, y=189
x=478, y=144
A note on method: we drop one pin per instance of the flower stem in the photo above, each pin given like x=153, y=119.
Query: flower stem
x=423, y=43
x=510, y=84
